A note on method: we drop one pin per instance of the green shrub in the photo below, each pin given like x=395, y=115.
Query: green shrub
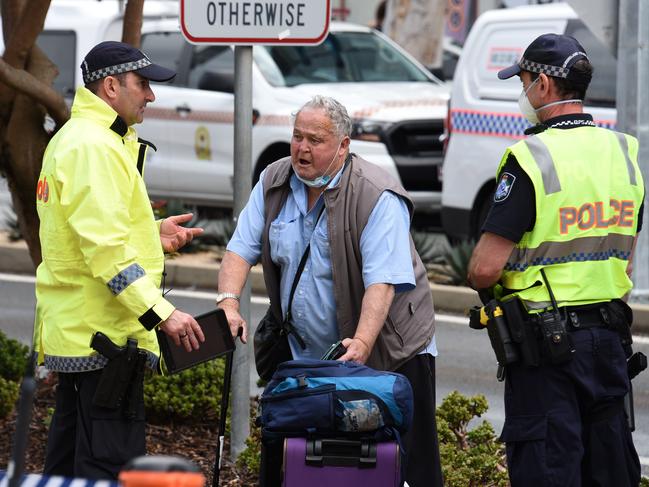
x=431, y=247
x=644, y=482
x=8, y=396
x=250, y=458
x=456, y=259
x=192, y=396
x=469, y=458
x=13, y=361
x=13, y=358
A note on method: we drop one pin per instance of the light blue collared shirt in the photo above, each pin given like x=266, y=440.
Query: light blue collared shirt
x=385, y=249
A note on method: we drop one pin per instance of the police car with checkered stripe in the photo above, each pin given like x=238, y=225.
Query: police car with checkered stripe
x=484, y=117
x=398, y=107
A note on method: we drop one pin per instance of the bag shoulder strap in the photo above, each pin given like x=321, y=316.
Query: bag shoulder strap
x=296, y=279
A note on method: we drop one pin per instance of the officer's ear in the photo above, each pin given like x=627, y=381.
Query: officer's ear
x=110, y=86
x=546, y=84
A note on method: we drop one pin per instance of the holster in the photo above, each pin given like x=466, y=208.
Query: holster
x=492, y=316
x=135, y=390
x=512, y=333
x=523, y=332
x=119, y=382
x=618, y=317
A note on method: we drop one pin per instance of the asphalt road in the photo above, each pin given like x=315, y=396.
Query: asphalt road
x=465, y=361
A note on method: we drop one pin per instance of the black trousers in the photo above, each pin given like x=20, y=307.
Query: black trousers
x=87, y=441
x=423, y=467
x=565, y=424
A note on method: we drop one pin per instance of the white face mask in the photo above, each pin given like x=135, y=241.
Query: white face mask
x=526, y=107
x=529, y=112
x=323, y=180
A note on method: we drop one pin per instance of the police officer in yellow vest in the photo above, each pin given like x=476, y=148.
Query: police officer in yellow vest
x=565, y=215
x=102, y=267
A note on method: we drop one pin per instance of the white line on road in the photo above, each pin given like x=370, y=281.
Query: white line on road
x=186, y=293
x=17, y=278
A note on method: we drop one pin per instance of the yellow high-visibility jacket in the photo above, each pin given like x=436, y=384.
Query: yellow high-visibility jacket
x=589, y=189
x=102, y=256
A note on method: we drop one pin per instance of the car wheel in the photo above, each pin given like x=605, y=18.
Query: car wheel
x=270, y=155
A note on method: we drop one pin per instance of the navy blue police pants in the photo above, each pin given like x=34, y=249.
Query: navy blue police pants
x=565, y=424
x=88, y=441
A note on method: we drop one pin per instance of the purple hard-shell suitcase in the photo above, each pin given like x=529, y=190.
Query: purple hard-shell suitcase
x=340, y=463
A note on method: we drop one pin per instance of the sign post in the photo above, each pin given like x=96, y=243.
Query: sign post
x=244, y=23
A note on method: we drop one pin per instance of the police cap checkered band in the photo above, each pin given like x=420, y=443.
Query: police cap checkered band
x=110, y=58
x=117, y=69
x=553, y=55
x=556, y=71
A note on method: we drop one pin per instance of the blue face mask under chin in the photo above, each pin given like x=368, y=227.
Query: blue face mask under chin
x=325, y=178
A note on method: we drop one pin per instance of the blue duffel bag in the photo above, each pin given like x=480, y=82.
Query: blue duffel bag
x=323, y=397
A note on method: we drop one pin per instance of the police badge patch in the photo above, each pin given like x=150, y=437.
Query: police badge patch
x=504, y=187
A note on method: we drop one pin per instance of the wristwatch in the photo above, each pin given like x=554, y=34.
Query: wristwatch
x=221, y=296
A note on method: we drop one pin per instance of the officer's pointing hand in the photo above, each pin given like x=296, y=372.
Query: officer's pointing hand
x=173, y=236
x=184, y=330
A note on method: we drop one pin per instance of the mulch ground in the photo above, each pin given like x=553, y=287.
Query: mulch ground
x=196, y=442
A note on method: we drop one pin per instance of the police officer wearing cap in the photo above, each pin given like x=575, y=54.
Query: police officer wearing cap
x=565, y=215
x=102, y=266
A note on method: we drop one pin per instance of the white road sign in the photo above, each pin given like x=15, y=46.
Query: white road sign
x=246, y=22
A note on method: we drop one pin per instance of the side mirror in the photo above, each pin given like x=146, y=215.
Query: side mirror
x=216, y=81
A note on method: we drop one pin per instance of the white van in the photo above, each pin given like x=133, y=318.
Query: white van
x=484, y=117
x=397, y=106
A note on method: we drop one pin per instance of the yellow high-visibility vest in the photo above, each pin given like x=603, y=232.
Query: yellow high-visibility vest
x=588, y=191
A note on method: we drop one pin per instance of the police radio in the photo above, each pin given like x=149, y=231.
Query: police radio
x=557, y=344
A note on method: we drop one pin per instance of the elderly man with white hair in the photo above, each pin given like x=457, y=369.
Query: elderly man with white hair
x=361, y=281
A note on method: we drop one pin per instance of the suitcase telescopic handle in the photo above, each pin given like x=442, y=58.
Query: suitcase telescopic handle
x=340, y=452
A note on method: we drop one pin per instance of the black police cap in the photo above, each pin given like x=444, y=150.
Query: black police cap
x=552, y=54
x=111, y=57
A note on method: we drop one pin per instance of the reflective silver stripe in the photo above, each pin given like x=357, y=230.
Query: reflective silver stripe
x=125, y=278
x=583, y=249
x=542, y=305
x=86, y=364
x=543, y=159
x=75, y=364
x=624, y=145
x=531, y=305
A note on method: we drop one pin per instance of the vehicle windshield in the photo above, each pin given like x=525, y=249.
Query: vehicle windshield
x=343, y=57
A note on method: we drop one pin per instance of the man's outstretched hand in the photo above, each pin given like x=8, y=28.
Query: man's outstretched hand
x=173, y=236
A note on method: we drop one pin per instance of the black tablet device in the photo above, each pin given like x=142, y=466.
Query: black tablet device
x=218, y=341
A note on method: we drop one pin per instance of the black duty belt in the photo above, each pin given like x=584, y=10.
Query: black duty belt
x=580, y=318
x=583, y=317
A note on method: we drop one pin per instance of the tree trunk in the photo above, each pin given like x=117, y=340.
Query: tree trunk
x=26, y=141
x=418, y=27
x=26, y=97
x=132, y=30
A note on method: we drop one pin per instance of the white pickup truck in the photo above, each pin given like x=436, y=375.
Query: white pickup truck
x=397, y=106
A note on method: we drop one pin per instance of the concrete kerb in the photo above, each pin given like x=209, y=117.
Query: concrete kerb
x=14, y=258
